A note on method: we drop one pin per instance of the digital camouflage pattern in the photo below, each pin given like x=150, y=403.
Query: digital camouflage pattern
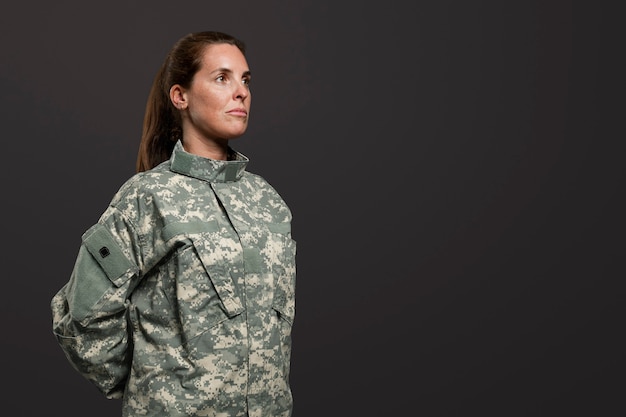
x=181, y=301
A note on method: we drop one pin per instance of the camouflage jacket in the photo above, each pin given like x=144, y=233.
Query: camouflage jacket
x=181, y=301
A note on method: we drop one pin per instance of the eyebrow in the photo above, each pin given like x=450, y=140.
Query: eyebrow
x=228, y=70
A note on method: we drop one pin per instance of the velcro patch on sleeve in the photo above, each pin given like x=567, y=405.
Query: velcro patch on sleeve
x=103, y=247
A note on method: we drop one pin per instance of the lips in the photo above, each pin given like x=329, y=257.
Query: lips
x=238, y=112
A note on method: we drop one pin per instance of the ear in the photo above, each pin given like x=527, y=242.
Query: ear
x=178, y=97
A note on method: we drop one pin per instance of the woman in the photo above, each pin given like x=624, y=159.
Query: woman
x=181, y=301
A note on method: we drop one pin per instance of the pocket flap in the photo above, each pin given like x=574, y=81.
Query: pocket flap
x=223, y=280
x=105, y=250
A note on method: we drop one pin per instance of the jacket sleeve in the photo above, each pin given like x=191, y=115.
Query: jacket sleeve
x=89, y=311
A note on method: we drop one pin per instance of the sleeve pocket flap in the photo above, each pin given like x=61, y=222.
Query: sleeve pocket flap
x=100, y=243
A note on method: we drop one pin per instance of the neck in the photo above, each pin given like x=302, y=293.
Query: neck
x=213, y=149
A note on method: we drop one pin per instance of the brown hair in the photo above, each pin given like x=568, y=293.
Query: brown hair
x=162, y=121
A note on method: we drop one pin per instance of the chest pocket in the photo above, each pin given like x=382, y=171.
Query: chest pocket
x=206, y=290
x=285, y=271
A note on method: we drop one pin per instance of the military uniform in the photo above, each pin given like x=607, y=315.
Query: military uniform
x=182, y=298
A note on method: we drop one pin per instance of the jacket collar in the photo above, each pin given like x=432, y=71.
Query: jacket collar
x=211, y=170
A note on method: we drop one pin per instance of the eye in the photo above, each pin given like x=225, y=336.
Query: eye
x=246, y=81
x=220, y=78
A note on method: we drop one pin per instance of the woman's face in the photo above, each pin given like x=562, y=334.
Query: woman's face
x=218, y=99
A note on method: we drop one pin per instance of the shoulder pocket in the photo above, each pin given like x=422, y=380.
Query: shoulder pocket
x=101, y=269
x=100, y=243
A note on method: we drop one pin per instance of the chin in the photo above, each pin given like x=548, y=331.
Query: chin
x=236, y=134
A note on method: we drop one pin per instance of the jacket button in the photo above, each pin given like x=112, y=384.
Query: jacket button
x=104, y=251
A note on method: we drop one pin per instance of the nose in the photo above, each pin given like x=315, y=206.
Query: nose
x=242, y=92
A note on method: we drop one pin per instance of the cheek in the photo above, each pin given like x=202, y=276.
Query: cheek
x=205, y=98
x=209, y=102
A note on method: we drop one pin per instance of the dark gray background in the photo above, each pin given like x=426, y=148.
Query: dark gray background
x=454, y=169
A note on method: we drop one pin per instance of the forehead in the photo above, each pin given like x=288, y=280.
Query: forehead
x=227, y=56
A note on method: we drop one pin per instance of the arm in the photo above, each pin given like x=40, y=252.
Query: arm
x=89, y=312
